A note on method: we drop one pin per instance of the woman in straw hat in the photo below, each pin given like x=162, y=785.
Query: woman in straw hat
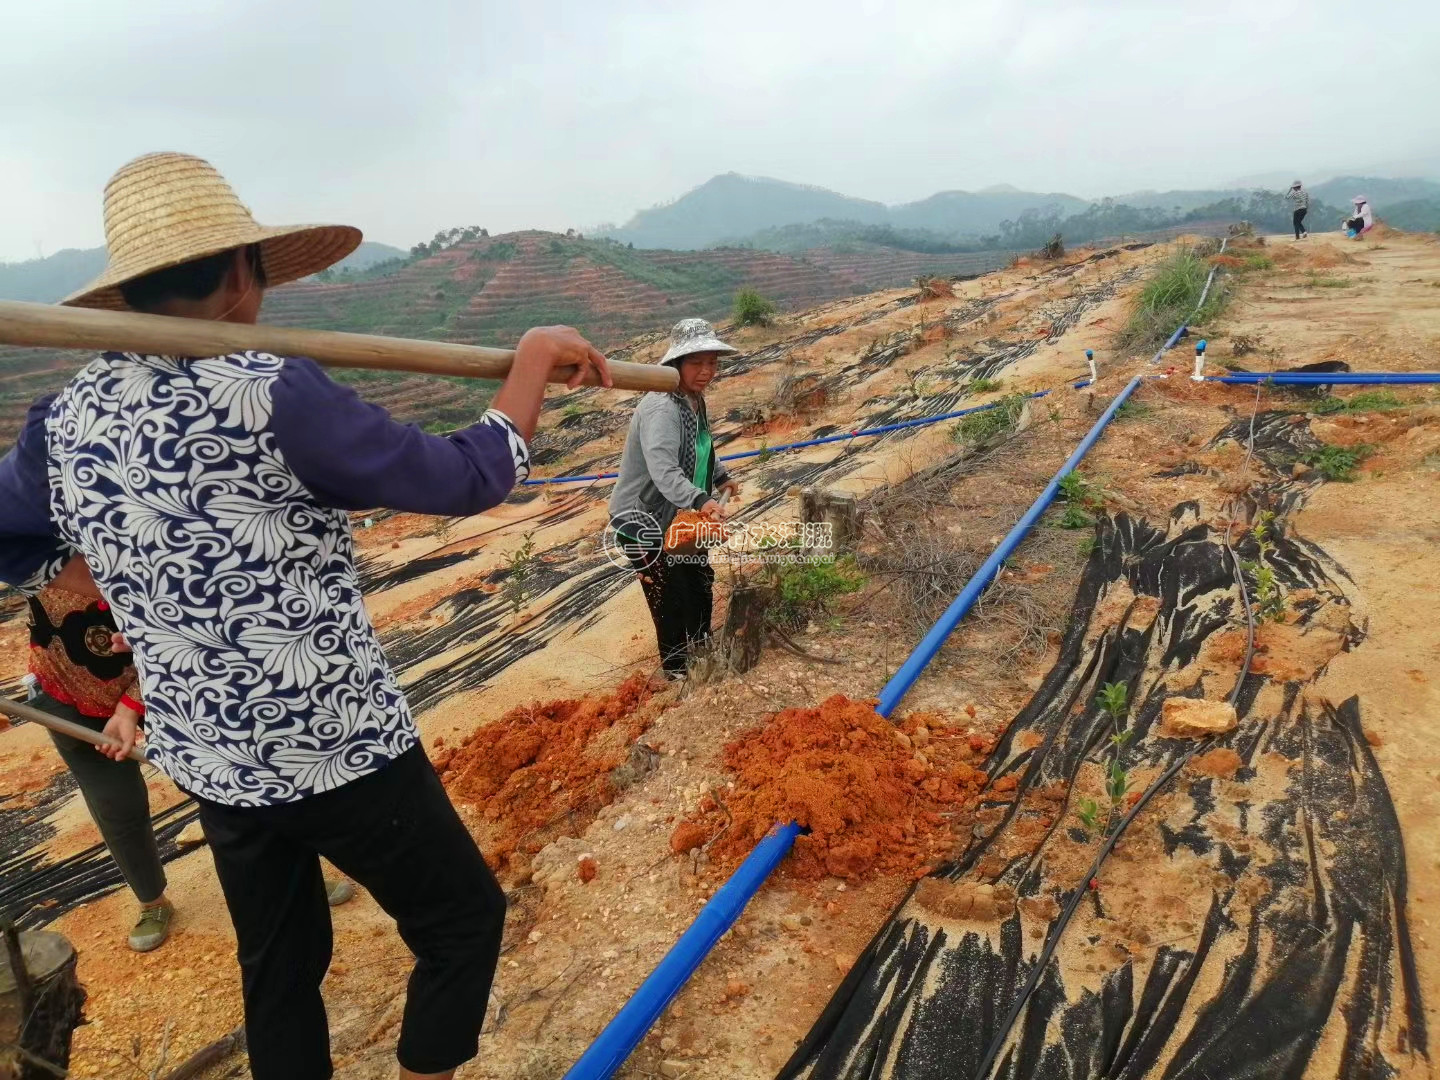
x=209, y=497
x=669, y=465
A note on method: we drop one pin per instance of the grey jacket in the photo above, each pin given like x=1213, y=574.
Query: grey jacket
x=657, y=467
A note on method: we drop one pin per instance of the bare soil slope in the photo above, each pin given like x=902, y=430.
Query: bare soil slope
x=1011, y=741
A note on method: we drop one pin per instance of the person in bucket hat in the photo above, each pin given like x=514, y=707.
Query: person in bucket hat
x=669, y=465
x=1300, y=198
x=209, y=496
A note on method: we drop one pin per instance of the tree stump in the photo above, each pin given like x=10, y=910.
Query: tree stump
x=744, y=632
x=841, y=512
x=40, y=1009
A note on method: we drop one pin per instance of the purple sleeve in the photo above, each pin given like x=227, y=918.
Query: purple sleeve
x=30, y=548
x=351, y=455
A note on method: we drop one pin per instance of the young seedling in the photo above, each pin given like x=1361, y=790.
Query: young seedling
x=1269, y=603
x=521, y=562
x=1114, y=702
x=1089, y=813
x=765, y=453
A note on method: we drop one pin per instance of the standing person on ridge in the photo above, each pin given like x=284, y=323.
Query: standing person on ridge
x=669, y=465
x=1301, y=198
x=209, y=497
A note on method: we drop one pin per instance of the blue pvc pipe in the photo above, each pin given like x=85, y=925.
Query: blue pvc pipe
x=842, y=437
x=901, y=682
x=620, y=1037
x=1321, y=378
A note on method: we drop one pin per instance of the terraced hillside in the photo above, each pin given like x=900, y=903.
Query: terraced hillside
x=489, y=291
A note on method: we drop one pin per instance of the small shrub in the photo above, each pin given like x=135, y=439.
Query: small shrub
x=988, y=424
x=1337, y=462
x=1367, y=401
x=752, y=309
x=1243, y=345
x=806, y=589
x=1054, y=248
x=1075, y=489
x=1258, y=262
x=1075, y=518
x=1315, y=281
x=934, y=288
x=983, y=386
x=1169, y=298
x=1131, y=409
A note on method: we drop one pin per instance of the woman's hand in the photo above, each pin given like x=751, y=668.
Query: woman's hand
x=732, y=488
x=713, y=510
x=552, y=347
x=123, y=725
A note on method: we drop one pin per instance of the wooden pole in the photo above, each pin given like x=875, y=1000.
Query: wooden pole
x=50, y=326
x=19, y=710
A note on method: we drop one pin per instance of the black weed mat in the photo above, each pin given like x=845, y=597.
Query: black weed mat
x=1238, y=920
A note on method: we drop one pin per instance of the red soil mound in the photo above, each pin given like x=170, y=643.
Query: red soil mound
x=875, y=796
x=545, y=762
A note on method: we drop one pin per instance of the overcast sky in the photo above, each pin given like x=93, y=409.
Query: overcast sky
x=405, y=116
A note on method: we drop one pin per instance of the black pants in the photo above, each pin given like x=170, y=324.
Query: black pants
x=680, y=595
x=1356, y=223
x=117, y=799
x=395, y=832
x=1299, y=219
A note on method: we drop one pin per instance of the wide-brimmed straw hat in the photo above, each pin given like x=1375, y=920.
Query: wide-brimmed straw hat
x=165, y=209
x=690, y=336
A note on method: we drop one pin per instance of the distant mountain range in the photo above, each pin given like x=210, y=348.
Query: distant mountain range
x=731, y=208
x=743, y=210
x=57, y=276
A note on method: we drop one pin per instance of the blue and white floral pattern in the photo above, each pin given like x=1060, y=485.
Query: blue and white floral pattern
x=262, y=677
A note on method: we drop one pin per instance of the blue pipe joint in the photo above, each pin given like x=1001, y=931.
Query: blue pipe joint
x=1200, y=347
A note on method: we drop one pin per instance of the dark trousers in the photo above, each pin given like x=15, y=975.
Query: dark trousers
x=680, y=595
x=396, y=833
x=1356, y=223
x=119, y=804
x=1299, y=220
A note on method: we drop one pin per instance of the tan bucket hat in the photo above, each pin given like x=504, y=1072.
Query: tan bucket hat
x=165, y=209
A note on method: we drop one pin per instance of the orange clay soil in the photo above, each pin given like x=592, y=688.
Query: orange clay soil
x=545, y=762
x=877, y=797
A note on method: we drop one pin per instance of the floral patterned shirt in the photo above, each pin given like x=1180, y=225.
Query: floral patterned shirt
x=208, y=497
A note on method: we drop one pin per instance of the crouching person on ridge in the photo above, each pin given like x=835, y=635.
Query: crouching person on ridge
x=209, y=497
